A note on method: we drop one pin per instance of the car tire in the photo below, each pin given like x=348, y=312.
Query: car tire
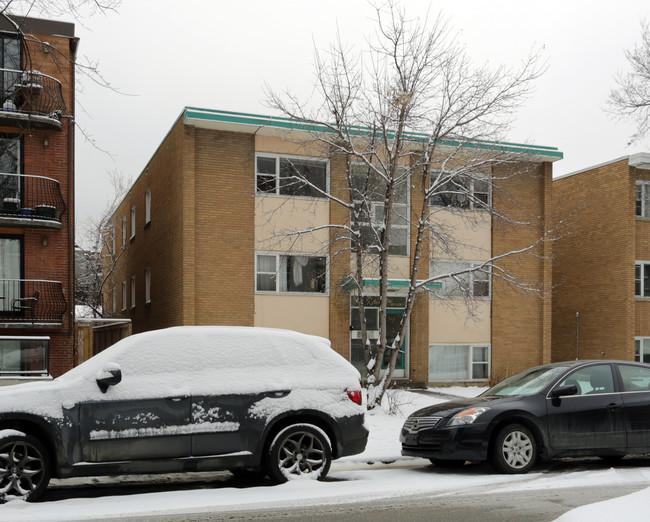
x=25, y=467
x=299, y=451
x=514, y=450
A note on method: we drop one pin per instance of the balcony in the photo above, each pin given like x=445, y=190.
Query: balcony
x=29, y=303
x=30, y=201
x=30, y=98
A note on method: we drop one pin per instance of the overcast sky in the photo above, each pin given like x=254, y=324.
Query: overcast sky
x=168, y=54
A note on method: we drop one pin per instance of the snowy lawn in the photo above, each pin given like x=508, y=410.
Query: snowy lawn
x=380, y=472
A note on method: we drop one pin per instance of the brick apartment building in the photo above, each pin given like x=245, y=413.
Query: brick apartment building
x=602, y=266
x=198, y=242
x=36, y=198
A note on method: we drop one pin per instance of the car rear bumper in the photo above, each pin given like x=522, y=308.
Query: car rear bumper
x=354, y=436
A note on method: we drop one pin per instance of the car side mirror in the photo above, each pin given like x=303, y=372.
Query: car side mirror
x=567, y=389
x=109, y=376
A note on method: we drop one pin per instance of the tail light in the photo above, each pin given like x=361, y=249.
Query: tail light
x=355, y=396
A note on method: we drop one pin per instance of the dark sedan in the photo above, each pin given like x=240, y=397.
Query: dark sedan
x=575, y=408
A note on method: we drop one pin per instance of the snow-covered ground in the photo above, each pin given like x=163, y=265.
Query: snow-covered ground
x=373, y=474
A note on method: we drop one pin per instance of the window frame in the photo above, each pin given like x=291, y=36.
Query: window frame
x=124, y=295
x=147, y=285
x=123, y=232
x=277, y=256
x=640, y=290
x=640, y=354
x=277, y=175
x=470, y=363
x=472, y=178
x=133, y=295
x=472, y=282
x=25, y=373
x=147, y=206
x=132, y=223
x=642, y=199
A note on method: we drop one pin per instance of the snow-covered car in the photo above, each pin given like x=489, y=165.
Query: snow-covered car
x=185, y=399
x=567, y=409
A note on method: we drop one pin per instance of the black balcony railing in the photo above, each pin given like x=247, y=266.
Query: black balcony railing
x=31, y=301
x=30, y=197
x=31, y=92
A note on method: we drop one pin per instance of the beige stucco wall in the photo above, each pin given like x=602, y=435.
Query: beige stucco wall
x=276, y=217
x=307, y=314
x=455, y=322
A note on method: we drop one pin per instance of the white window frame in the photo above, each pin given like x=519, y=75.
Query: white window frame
x=123, y=296
x=471, y=189
x=124, y=232
x=469, y=360
x=132, y=291
x=40, y=372
x=132, y=222
x=147, y=206
x=641, y=352
x=639, y=269
x=642, y=199
x=471, y=275
x=277, y=256
x=277, y=158
x=147, y=285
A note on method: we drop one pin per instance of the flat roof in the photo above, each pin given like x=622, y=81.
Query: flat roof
x=641, y=160
x=276, y=125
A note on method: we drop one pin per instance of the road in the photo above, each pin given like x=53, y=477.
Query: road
x=484, y=503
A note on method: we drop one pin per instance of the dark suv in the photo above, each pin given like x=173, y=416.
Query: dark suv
x=185, y=399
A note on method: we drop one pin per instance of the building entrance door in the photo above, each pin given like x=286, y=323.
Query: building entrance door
x=394, y=313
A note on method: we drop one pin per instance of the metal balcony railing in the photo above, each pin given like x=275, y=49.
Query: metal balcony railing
x=31, y=92
x=31, y=301
x=30, y=197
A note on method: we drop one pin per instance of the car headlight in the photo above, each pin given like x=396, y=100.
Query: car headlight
x=467, y=416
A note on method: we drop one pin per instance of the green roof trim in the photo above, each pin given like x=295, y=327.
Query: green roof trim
x=350, y=284
x=289, y=124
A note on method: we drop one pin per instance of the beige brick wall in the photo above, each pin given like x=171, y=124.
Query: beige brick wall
x=521, y=320
x=594, y=263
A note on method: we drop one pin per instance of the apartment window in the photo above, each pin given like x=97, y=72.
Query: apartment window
x=114, y=300
x=147, y=206
x=123, y=295
x=147, y=285
x=132, y=291
x=124, y=232
x=642, y=349
x=10, y=66
x=369, y=193
x=462, y=191
x=132, y=222
x=642, y=279
x=459, y=362
x=10, y=186
x=643, y=199
x=24, y=356
x=475, y=284
x=291, y=273
x=291, y=176
x=11, y=269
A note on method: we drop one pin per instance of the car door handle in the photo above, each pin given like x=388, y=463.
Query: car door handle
x=277, y=394
x=613, y=407
x=177, y=399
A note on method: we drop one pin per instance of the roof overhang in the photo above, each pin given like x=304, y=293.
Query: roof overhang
x=281, y=127
x=394, y=284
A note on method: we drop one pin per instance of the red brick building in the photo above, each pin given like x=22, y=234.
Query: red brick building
x=36, y=198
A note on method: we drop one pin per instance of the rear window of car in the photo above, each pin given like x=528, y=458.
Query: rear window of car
x=635, y=378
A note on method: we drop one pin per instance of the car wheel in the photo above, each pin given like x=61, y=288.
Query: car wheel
x=514, y=450
x=24, y=466
x=440, y=463
x=299, y=451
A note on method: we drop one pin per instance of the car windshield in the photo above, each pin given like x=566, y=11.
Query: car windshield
x=527, y=382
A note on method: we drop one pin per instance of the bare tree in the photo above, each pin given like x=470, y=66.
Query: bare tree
x=98, y=252
x=631, y=97
x=418, y=129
